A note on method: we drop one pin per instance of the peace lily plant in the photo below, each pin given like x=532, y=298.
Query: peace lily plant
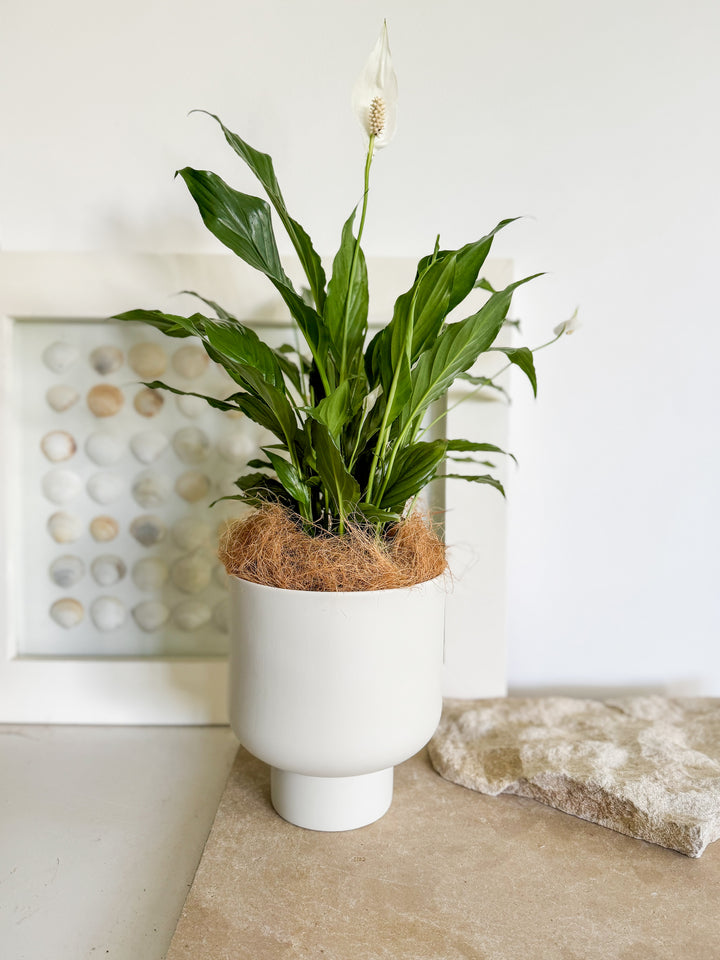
x=349, y=416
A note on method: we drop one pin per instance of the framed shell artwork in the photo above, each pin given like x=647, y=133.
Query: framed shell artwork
x=114, y=603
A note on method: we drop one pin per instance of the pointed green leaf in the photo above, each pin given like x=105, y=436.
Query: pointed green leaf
x=346, y=307
x=472, y=479
x=413, y=469
x=212, y=401
x=289, y=477
x=523, y=358
x=340, y=484
x=334, y=410
x=467, y=446
x=262, y=166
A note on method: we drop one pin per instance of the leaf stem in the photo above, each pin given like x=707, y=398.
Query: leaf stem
x=353, y=262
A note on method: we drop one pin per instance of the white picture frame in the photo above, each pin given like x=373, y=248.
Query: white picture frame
x=192, y=690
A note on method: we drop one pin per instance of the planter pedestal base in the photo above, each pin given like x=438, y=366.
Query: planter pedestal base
x=331, y=803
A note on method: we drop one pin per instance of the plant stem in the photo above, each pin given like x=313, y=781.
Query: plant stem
x=353, y=262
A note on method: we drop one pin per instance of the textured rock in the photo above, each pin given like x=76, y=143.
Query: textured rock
x=648, y=767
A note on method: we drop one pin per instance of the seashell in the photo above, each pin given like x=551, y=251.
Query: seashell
x=192, y=486
x=150, y=573
x=191, y=614
x=221, y=616
x=191, y=444
x=148, y=402
x=67, y=612
x=148, y=360
x=59, y=486
x=59, y=356
x=190, y=362
x=105, y=487
x=108, y=613
x=189, y=533
x=105, y=400
x=104, y=448
x=221, y=577
x=67, y=571
x=108, y=569
x=150, y=615
x=151, y=489
x=191, y=407
x=106, y=359
x=147, y=529
x=148, y=445
x=64, y=527
x=61, y=397
x=190, y=574
x=236, y=447
x=104, y=528
x=58, y=445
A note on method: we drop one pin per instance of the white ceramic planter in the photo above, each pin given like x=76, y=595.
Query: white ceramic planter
x=334, y=689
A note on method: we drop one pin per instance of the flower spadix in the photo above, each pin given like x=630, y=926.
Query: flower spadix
x=375, y=94
x=567, y=326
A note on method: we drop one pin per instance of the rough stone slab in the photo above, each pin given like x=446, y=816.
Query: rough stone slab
x=648, y=767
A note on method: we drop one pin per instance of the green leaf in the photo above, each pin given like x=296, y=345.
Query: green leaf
x=472, y=479
x=375, y=515
x=220, y=311
x=413, y=469
x=243, y=224
x=242, y=345
x=346, y=307
x=212, y=401
x=523, y=358
x=340, y=484
x=262, y=166
x=289, y=477
x=468, y=446
x=334, y=410
x=455, y=350
x=170, y=324
x=257, y=488
x=260, y=464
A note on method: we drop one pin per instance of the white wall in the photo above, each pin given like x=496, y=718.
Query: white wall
x=597, y=121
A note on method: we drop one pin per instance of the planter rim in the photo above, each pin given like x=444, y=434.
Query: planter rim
x=441, y=578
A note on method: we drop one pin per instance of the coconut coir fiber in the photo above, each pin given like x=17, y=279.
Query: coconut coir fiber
x=270, y=547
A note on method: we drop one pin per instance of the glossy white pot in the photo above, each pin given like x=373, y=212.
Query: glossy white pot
x=332, y=690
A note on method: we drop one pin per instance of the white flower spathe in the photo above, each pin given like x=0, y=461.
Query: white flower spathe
x=375, y=94
x=567, y=326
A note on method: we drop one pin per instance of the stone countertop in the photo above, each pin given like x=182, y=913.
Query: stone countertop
x=447, y=874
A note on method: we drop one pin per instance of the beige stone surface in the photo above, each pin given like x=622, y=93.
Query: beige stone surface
x=447, y=874
x=648, y=767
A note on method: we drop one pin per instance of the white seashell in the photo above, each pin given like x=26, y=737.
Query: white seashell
x=191, y=444
x=221, y=577
x=106, y=359
x=67, y=571
x=148, y=360
x=148, y=445
x=108, y=613
x=150, y=615
x=192, y=486
x=191, y=614
x=104, y=528
x=148, y=402
x=64, y=528
x=104, y=448
x=67, y=612
x=58, y=445
x=189, y=533
x=190, y=574
x=62, y=396
x=59, y=356
x=237, y=447
x=105, y=400
x=190, y=362
x=59, y=486
x=107, y=569
x=221, y=616
x=150, y=573
x=105, y=487
x=147, y=529
x=191, y=407
x=151, y=489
